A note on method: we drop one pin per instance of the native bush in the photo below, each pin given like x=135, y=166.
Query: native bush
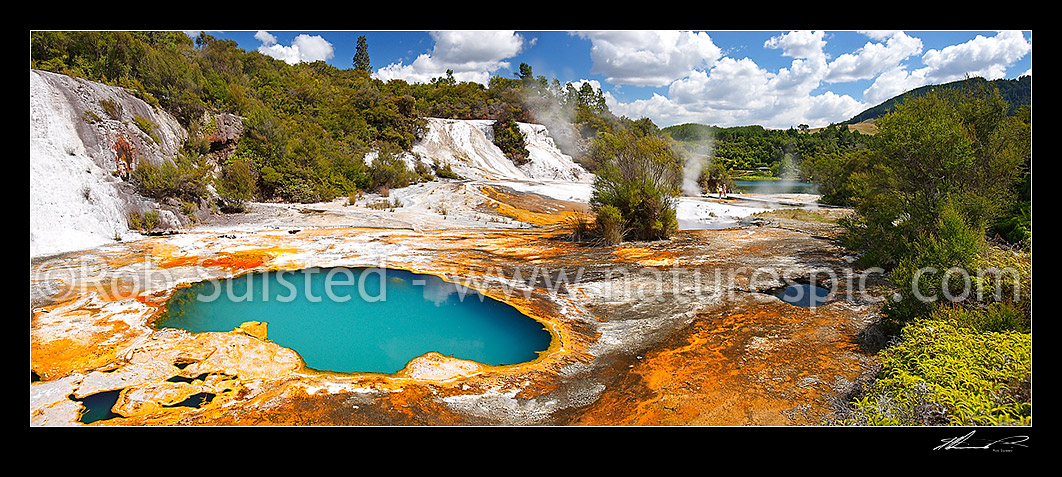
x=237, y=183
x=714, y=176
x=640, y=181
x=390, y=171
x=151, y=220
x=611, y=224
x=510, y=140
x=444, y=171
x=956, y=147
x=936, y=270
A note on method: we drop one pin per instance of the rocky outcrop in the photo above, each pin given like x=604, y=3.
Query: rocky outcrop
x=85, y=140
x=222, y=131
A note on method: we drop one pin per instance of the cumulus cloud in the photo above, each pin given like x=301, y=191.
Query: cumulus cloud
x=727, y=91
x=987, y=57
x=982, y=56
x=471, y=55
x=874, y=58
x=799, y=44
x=730, y=84
x=649, y=58
x=739, y=92
x=893, y=82
x=304, y=48
x=809, y=64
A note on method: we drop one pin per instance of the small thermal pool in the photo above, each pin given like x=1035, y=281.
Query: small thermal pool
x=803, y=294
x=361, y=319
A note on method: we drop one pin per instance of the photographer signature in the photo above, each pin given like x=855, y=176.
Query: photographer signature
x=961, y=442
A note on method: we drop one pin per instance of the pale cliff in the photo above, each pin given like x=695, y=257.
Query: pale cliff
x=84, y=140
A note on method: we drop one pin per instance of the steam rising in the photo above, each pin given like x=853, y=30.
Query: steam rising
x=696, y=161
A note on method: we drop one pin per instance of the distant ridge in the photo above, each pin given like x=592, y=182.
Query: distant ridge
x=1016, y=92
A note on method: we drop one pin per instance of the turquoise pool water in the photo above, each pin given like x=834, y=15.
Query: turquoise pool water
x=362, y=319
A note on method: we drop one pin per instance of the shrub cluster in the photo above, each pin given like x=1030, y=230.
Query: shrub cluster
x=510, y=140
x=185, y=178
x=634, y=191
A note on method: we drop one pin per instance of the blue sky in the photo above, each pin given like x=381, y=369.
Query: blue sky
x=776, y=79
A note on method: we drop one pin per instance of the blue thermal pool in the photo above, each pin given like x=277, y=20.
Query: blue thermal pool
x=805, y=295
x=361, y=319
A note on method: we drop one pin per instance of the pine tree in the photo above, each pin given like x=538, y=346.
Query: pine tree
x=361, y=56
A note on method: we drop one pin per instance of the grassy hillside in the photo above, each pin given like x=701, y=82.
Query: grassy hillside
x=866, y=127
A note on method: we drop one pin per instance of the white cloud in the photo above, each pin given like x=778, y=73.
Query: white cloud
x=874, y=58
x=799, y=44
x=982, y=56
x=808, y=67
x=731, y=84
x=265, y=37
x=649, y=58
x=737, y=92
x=304, y=48
x=472, y=55
x=893, y=82
x=826, y=108
x=987, y=57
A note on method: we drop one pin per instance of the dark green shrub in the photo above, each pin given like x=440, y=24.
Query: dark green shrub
x=184, y=178
x=443, y=170
x=937, y=270
x=237, y=180
x=423, y=172
x=136, y=222
x=510, y=140
x=1016, y=227
x=147, y=126
x=713, y=176
x=151, y=220
x=112, y=108
x=390, y=171
x=640, y=181
x=611, y=224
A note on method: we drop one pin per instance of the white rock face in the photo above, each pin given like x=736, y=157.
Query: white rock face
x=78, y=199
x=468, y=147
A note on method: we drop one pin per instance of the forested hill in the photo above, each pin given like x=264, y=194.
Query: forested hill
x=1016, y=92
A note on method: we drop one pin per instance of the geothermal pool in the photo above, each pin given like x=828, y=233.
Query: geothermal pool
x=357, y=320
x=804, y=295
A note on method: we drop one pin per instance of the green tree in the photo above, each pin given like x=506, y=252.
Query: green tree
x=956, y=147
x=934, y=271
x=713, y=176
x=361, y=55
x=838, y=174
x=510, y=140
x=640, y=181
x=237, y=184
